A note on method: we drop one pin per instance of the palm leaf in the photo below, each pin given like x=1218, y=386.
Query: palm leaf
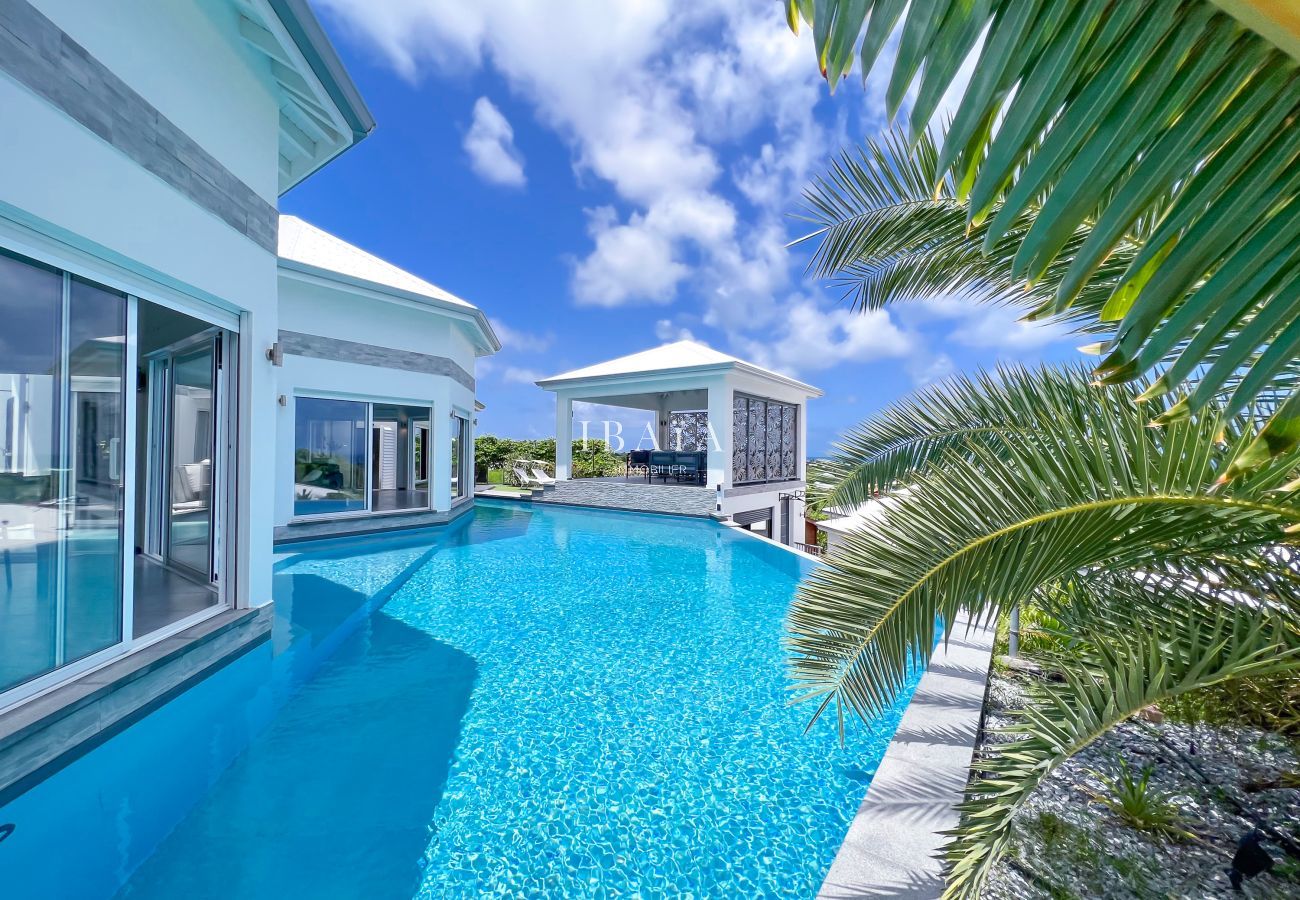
x=1140, y=644
x=1106, y=114
x=1013, y=512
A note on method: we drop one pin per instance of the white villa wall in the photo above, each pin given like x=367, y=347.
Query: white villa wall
x=319, y=309
x=186, y=41
x=71, y=199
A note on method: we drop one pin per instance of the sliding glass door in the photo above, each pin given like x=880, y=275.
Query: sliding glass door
x=192, y=438
x=63, y=363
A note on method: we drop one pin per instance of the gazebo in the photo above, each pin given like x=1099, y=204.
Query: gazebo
x=750, y=422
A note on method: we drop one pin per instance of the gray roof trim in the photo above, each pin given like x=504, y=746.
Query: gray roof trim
x=305, y=29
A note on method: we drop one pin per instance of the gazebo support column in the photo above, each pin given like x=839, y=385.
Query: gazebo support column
x=563, y=436
x=719, y=457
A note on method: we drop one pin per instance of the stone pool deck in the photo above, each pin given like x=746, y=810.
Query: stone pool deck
x=891, y=846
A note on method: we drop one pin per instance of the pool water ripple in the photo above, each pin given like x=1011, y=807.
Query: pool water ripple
x=554, y=703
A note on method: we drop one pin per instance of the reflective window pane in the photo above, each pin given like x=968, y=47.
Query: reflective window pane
x=398, y=467
x=96, y=365
x=459, y=439
x=190, y=521
x=61, y=444
x=31, y=304
x=329, y=456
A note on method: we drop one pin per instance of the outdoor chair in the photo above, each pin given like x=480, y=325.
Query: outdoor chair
x=660, y=465
x=638, y=461
x=523, y=477
x=541, y=477
x=688, y=467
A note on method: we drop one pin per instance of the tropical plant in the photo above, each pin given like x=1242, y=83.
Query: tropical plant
x=1138, y=803
x=1164, y=117
x=590, y=459
x=1036, y=487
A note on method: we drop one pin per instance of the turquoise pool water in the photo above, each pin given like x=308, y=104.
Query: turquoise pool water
x=530, y=702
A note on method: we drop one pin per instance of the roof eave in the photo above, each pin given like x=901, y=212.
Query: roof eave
x=305, y=29
x=559, y=381
x=491, y=343
x=556, y=382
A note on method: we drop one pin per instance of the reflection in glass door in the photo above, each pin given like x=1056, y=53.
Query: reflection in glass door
x=63, y=356
x=192, y=450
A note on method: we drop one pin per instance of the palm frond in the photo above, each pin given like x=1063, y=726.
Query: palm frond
x=1161, y=117
x=951, y=417
x=1140, y=647
x=1006, y=517
x=886, y=236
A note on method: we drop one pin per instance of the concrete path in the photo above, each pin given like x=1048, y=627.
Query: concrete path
x=891, y=846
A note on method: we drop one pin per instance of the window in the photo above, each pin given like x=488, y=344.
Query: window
x=459, y=456
x=62, y=372
x=764, y=440
x=329, y=466
x=396, y=457
x=109, y=518
x=352, y=456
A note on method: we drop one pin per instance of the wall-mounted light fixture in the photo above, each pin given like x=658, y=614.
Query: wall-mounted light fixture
x=282, y=400
x=275, y=354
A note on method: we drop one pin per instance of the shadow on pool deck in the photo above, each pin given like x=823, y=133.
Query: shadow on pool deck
x=336, y=797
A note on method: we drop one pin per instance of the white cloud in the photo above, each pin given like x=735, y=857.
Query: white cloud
x=633, y=260
x=985, y=325
x=1002, y=328
x=514, y=339
x=812, y=338
x=641, y=92
x=666, y=331
x=923, y=369
x=490, y=144
x=518, y=375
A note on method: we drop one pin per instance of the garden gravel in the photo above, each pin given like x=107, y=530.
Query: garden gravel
x=1067, y=844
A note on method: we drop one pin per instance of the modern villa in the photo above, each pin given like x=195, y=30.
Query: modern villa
x=189, y=377
x=233, y=442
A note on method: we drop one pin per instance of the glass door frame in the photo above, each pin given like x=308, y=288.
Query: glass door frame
x=370, y=402
x=159, y=468
x=40, y=249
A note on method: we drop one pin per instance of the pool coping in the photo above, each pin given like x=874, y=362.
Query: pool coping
x=892, y=845
x=741, y=529
x=51, y=731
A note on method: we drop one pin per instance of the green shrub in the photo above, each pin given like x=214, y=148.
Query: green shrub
x=1138, y=804
x=1271, y=703
x=592, y=460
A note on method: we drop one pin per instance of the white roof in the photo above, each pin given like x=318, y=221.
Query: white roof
x=871, y=511
x=681, y=356
x=307, y=244
x=304, y=246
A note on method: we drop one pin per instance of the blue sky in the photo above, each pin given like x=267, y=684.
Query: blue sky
x=602, y=177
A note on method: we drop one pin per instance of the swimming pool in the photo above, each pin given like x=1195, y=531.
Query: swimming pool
x=529, y=702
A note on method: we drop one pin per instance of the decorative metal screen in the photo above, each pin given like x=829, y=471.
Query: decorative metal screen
x=765, y=440
x=691, y=429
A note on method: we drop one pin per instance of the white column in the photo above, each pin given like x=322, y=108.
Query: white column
x=720, y=428
x=801, y=452
x=441, y=426
x=563, y=436
x=667, y=440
